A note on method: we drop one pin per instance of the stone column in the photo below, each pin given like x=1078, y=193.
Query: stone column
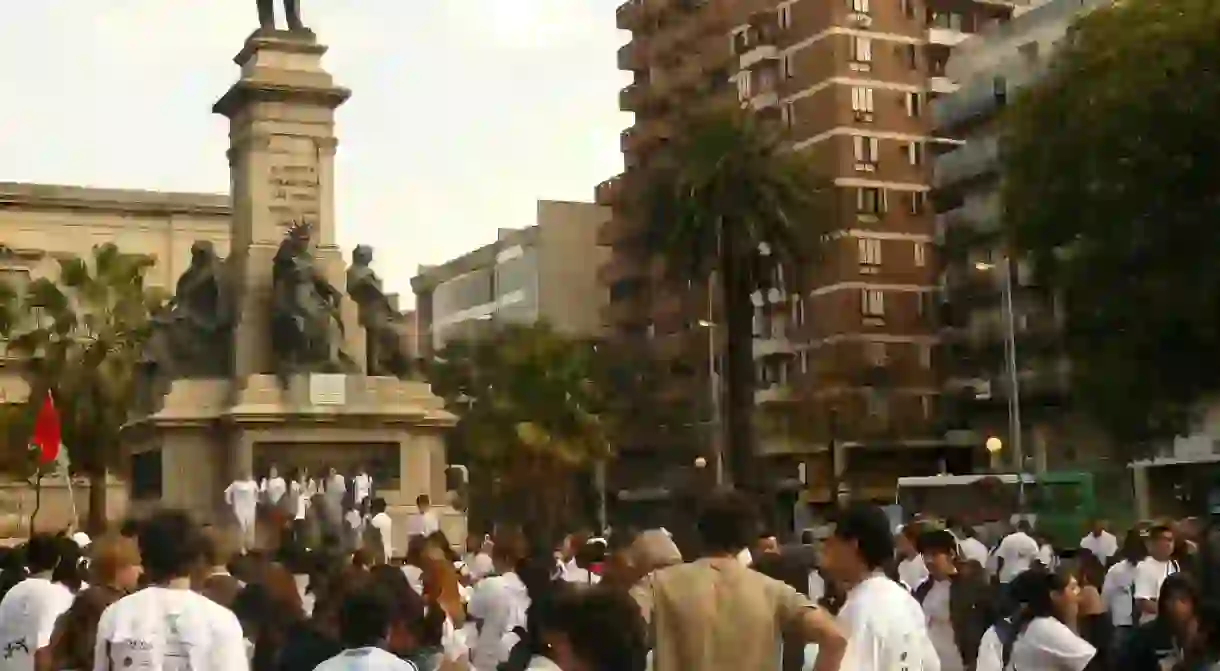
x=281, y=113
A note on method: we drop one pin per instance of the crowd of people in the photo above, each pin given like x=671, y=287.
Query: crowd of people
x=167, y=593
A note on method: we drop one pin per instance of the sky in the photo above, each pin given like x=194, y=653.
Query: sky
x=462, y=116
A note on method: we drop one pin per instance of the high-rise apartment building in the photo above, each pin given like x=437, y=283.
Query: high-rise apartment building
x=845, y=378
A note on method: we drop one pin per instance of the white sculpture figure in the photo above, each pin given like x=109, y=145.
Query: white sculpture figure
x=242, y=497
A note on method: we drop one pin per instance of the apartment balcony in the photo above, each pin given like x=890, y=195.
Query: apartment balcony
x=974, y=101
x=633, y=55
x=773, y=346
x=976, y=158
x=618, y=229
x=774, y=393
x=628, y=14
x=644, y=135
x=621, y=267
x=631, y=98
x=942, y=85
x=946, y=37
x=977, y=216
x=607, y=193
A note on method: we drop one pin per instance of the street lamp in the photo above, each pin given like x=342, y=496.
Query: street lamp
x=714, y=389
x=994, y=445
x=1010, y=355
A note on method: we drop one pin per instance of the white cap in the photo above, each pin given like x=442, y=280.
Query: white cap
x=81, y=539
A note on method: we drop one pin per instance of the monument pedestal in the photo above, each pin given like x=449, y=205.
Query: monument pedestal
x=207, y=432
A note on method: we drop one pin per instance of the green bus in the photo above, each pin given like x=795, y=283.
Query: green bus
x=1061, y=504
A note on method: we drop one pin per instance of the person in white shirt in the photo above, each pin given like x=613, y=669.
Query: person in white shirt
x=1118, y=590
x=29, y=611
x=273, y=487
x=497, y=606
x=911, y=568
x=365, y=618
x=1016, y=552
x=478, y=558
x=242, y=496
x=167, y=626
x=362, y=486
x=1038, y=636
x=380, y=522
x=1100, y=542
x=957, y=603
x=1152, y=571
x=353, y=522
x=424, y=522
x=886, y=628
x=971, y=548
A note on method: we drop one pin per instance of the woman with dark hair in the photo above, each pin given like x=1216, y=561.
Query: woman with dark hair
x=1039, y=636
x=416, y=629
x=1172, y=639
x=270, y=612
x=1092, y=622
x=114, y=572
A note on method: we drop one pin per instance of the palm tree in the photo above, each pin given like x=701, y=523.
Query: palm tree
x=82, y=335
x=724, y=189
x=528, y=408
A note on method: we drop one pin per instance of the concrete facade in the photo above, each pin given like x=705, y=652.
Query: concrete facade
x=546, y=272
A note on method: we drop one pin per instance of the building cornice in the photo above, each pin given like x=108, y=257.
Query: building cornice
x=25, y=196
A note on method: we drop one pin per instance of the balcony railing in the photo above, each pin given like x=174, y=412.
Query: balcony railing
x=973, y=159
x=976, y=99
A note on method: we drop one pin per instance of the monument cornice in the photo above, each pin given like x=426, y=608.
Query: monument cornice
x=247, y=91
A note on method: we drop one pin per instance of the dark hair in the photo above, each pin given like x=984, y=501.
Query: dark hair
x=936, y=541
x=604, y=627
x=1177, y=586
x=170, y=545
x=78, y=627
x=42, y=553
x=590, y=554
x=1134, y=549
x=1090, y=570
x=1159, y=529
x=1024, y=526
x=869, y=527
x=72, y=567
x=728, y=522
x=1032, y=591
x=423, y=500
x=407, y=606
x=364, y=618
x=441, y=541
x=377, y=506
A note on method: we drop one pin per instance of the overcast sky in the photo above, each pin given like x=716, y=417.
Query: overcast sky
x=463, y=114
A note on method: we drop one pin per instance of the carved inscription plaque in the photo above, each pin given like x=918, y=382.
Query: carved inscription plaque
x=294, y=188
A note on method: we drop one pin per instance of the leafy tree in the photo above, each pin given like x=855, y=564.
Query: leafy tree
x=1110, y=188
x=82, y=333
x=723, y=189
x=527, y=407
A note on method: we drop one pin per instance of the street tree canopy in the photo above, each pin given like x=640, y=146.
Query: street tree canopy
x=1111, y=188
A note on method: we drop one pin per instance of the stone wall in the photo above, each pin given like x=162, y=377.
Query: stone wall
x=18, y=500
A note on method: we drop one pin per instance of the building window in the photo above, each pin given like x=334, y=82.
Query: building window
x=785, y=16
x=862, y=103
x=921, y=254
x=788, y=114
x=915, y=153
x=925, y=355
x=917, y=201
x=804, y=361
x=926, y=402
x=875, y=354
x=743, y=85
x=878, y=406
x=787, y=67
x=859, y=6
x=870, y=253
x=798, y=310
x=867, y=150
x=872, y=302
x=914, y=104
x=861, y=53
x=870, y=200
x=908, y=8
x=910, y=56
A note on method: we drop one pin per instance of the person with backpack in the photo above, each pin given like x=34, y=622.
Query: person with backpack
x=1039, y=635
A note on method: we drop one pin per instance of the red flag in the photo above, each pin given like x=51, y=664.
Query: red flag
x=46, y=431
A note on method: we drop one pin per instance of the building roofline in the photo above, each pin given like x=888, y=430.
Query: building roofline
x=431, y=275
x=127, y=201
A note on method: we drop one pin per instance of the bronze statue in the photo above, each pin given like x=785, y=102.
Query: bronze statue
x=292, y=14
x=190, y=334
x=304, y=310
x=384, y=351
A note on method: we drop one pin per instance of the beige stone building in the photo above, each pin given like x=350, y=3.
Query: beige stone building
x=546, y=272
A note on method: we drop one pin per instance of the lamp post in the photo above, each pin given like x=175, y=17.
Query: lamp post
x=994, y=445
x=713, y=377
x=1010, y=356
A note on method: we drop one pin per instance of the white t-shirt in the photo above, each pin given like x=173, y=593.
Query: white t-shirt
x=382, y=522
x=27, y=618
x=301, y=492
x=972, y=549
x=1150, y=574
x=1103, y=547
x=1017, y=551
x=500, y=603
x=362, y=486
x=273, y=489
x=886, y=629
x=423, y=524
x=912, y=571
x=365, y=659
x=1118, y=592
x=334, y=488
x=1045, y=645
x=162, y=629
x=480, y=565
x=940, y=626
x=355, y=521
x=1046, y=555
x=242, y=495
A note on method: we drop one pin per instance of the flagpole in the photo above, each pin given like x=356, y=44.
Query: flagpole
x=62, y=461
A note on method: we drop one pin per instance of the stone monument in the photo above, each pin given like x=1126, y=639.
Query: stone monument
x=259, y=359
